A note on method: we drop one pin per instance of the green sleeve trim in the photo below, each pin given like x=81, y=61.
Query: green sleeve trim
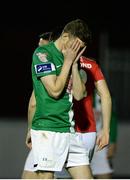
x=46, y=74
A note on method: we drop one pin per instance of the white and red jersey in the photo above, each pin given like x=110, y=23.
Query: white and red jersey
x=83, y=110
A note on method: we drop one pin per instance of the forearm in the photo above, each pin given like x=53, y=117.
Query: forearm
x=106, y=105
x=71, y=54
x=56, y=84
x=104, y=135
x=78, y=86
x=31, y=110
x=63, y=77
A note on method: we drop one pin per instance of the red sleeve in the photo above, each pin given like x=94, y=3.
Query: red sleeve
x=92, y=67
x=98, y=75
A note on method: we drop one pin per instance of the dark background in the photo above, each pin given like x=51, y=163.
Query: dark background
x=21, y=23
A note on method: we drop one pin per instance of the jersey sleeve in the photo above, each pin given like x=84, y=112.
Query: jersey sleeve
x=43, y=63
x=98, y=75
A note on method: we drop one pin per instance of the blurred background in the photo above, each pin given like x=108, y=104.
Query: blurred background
x=21, y=24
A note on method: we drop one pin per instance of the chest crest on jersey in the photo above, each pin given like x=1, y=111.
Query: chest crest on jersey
x=42, y=57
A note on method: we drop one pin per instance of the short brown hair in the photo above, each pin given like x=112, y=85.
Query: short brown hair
x=78, y=28
x=46, y=35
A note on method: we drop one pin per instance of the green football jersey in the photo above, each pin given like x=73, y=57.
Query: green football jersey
x=51, y=114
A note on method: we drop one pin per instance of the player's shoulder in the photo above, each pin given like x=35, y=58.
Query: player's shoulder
x=88, y=62
x=43, y=50
x=39, y=49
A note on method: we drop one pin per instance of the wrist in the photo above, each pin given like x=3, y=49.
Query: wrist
x=68, y=61
x=105, y=129
x=75, y=66
x=29, y=128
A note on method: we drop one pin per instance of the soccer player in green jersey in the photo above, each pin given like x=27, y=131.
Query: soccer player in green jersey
x=44, y=39
x=54, y=71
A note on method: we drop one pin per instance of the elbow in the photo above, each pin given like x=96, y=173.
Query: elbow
x=78, y=98
x=81, y=96
x=55, y=95
x=32, y=105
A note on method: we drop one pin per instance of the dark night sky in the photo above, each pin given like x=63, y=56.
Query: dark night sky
x=20, y=25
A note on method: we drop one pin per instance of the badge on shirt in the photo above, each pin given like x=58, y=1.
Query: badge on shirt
x=44, y=68
x=42, y=57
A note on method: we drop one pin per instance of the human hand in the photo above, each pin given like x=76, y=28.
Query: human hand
x=70, y=52
x=102, y=139
x=28, y=140
x=78, y=56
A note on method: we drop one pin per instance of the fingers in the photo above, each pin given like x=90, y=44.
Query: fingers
x=76, y=45
x=29, y=143
x=81, y=52
x=100, y=147
x=102, y=140
x=101, y=143
x=71, y=52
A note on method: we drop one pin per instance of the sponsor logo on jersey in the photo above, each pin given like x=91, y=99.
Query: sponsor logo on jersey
x=86, y=65
x=44, y=68
x=42, y=57
x=58, y=66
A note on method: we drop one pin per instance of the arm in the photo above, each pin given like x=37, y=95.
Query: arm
x=31, y=109
x=55, y=84
x=31, y=112
x=106, y=105
x=78, y=86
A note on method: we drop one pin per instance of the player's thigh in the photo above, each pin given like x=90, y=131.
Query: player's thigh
x=100, y=164
x=104, y=176
x=78, y=155
x=29, y=175
x=50, y=150
x=80, y=172
x=64, y=174
x=89, y=141
x=29, y=163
